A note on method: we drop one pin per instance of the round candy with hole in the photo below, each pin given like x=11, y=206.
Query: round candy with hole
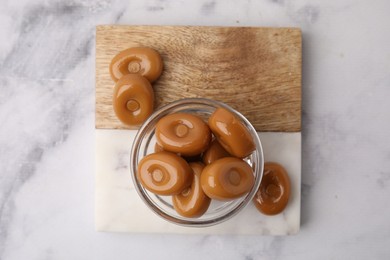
x=185, y=134
x=227, y=178
x=274, y=192
x=164, y=173
x=144, y=61
x=214, y=152
x=133, y=99
x=231, y=133
x=192, y=202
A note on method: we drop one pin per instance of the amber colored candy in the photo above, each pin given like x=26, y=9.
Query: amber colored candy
x=192, y=202
x=231, y=133
x=133, y=99
x=144, y=61
x=158, y=148
x=195, y=158
x=274, y=192
x=227, y=178
x=184, y=134
x=214, y=152
x=164, y=173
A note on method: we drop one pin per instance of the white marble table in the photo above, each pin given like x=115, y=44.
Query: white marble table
x=47, y=129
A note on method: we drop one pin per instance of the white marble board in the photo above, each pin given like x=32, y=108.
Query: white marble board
x=119, y=208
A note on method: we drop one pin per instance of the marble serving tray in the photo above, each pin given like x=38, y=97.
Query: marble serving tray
x=253, y=69
x=119, y=209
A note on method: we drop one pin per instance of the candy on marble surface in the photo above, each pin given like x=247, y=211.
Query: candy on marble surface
x=274, y=191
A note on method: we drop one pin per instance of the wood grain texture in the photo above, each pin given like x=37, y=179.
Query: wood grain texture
x=255, y=70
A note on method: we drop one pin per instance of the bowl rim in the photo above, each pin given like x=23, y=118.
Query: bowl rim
x=194, y=222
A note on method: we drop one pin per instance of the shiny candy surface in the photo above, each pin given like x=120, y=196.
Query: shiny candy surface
x=192, y=202
x=164, y=173
x=183, y=133
x=144, y=61
x=133, y=99
x=274, y=192
x=227, y=178
x=214, y=152
x=231, y=133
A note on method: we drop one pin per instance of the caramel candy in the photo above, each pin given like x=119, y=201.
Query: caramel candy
x=192, y=202
x=164, y=173
x=195, y=158
x=158, y=148
x=182, y=133
x=231, y=133
x=214, y=152
x=133, y=99
x=227, y=178
x=139, y=60
x=274, y=192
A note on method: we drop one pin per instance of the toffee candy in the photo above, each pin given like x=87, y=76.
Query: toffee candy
x=164, y=173
x=192, y=202
x=182, y=133
x=158, y=148
x=214, y=152
x=138, y=60
x=231, y=133
x=133, y=99
x=227, y=178
x=188, y=137
x=274, y=192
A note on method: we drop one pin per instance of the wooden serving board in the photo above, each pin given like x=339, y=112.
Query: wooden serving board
x=255, y=70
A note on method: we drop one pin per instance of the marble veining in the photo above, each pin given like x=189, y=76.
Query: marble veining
x=118, y=207
x=47, y=134
x=208, y=7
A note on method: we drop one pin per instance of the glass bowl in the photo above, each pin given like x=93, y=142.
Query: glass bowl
x=144, y=142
